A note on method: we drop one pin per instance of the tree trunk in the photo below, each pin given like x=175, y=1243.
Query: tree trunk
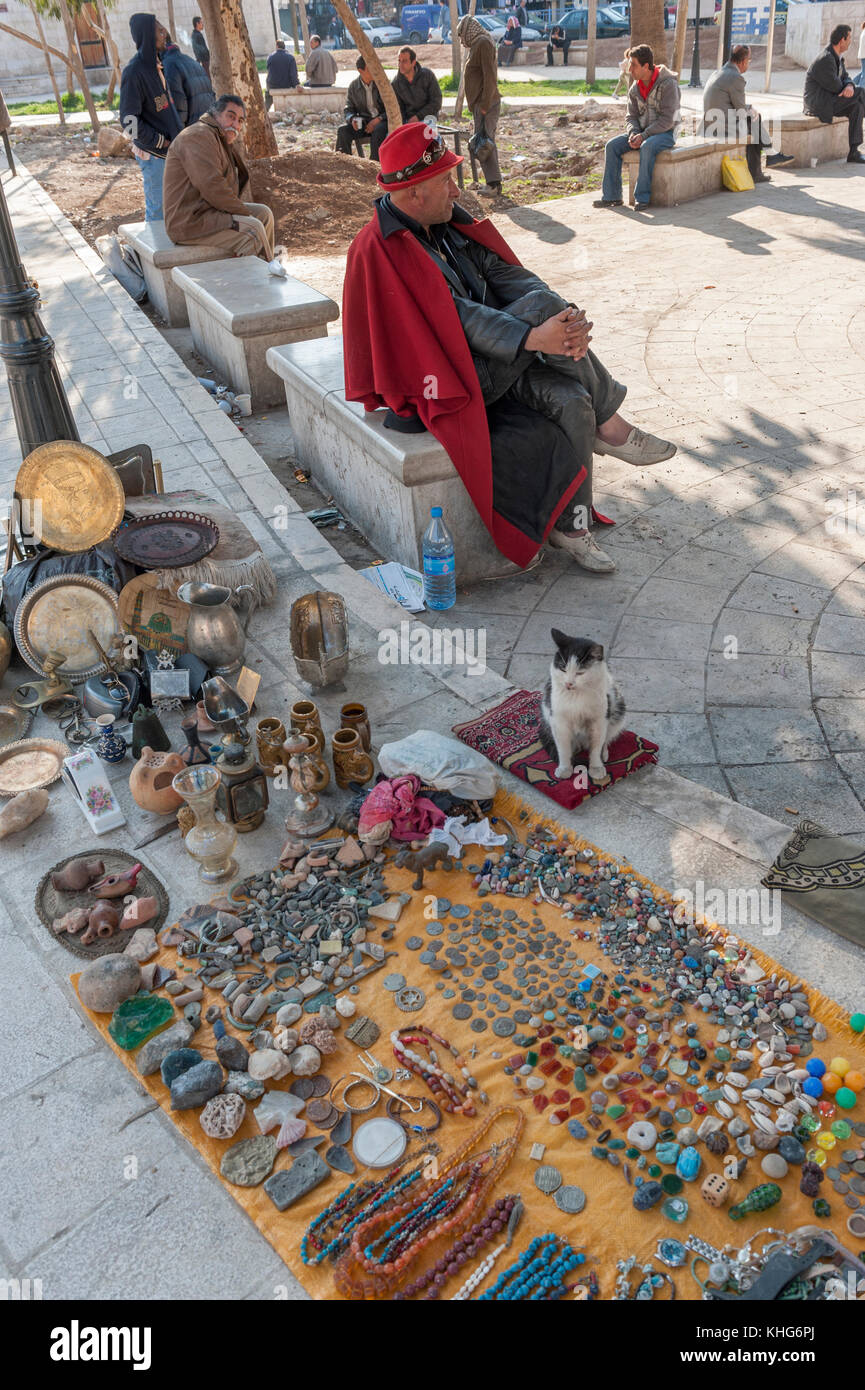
x=104, y=28
x=591, y=38
x=373, y=63
x=171, y=21
x=647, y=26
x=458, y=105
x=292, y=17
x=770, y=45
x=456, y=46
x=260, y=140
x=49, y=65
x=681, y=36
x=722, y=21
x=221, y=79
x=78, y=63
x=304, y=26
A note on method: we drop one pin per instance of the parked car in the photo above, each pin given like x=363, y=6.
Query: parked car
x=609, y=24
x=381, y=34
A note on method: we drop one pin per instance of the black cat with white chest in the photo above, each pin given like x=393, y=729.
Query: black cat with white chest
x=581, y=706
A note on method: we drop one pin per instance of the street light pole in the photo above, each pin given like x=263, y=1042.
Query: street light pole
x=695, y=59
x=42, y=412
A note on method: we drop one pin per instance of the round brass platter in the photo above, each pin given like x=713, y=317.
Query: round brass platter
x=71, y=496
x=58, y=615
x=30, y=764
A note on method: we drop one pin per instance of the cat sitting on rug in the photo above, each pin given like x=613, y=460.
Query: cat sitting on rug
x=581, y=706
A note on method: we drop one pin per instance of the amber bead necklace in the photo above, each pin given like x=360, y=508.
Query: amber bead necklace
x=450, y=1093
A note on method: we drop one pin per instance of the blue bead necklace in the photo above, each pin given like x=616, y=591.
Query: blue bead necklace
x=358, y=1201
x=539, y=1273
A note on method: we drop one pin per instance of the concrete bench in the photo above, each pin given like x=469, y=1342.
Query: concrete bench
x=806, y=138
x=159, y=256
x=312, y=100
x=689, y=170
x=385, y=482
x=238, y=310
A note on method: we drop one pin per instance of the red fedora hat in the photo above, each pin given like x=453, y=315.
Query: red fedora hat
x=411, y=154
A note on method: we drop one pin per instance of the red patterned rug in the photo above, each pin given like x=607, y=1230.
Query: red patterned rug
x=508, y=736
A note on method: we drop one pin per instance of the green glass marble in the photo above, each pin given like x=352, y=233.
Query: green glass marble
x=655, y=1171
x=758, y=1199
x=841, y=1129
x=138, y=1018
x=809, y=1122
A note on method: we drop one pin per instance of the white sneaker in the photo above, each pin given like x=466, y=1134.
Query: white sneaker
x=639, y=448
x=585, y=550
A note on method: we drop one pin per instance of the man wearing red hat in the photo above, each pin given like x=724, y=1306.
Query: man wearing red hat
x=446, y=329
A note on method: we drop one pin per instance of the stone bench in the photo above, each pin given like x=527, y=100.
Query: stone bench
x=689, y=170
x=806, y=138
x=385, y=482
x=238, y=310
x=159, y=256
x=312, y=100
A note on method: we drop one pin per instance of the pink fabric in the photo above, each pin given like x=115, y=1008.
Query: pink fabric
x=397, y=800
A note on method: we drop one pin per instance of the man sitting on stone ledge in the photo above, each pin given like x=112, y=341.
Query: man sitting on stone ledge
x=830, y=93
x=443, y=326
x=206, y=184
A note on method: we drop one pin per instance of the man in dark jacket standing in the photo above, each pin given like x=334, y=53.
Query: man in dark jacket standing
x=830, y=93
x=188, y=83
x=147, y=112
x=199, y=44
x=417, y=89
x=364, y=113
x=281, y=73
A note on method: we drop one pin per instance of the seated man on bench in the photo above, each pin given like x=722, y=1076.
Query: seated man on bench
x=727, y=115
x=364, y=114
x=652, y=123
x=207, y=183
x=445, y=328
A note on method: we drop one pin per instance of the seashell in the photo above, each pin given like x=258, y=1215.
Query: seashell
x=765, y=1124
x=291, y=1130
x=774, y=1096
x=724, y=1109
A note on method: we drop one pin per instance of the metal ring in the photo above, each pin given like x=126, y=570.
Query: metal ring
x=358, y=1080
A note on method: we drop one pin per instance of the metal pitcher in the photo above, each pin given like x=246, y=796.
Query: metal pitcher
x=216, y=631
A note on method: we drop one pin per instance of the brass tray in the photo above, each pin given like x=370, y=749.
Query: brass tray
x=31, y=763
x=57, y=615
x=14, y=723
x=76, y=495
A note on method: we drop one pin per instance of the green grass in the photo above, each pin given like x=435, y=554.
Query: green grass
x=72, y=101
x=546, y=88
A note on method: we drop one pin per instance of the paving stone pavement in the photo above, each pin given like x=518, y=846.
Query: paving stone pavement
x=101, y=1197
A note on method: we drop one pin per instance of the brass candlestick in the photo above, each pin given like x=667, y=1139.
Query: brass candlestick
x=307, y=817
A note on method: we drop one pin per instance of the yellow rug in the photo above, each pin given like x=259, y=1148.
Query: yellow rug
x=608, y=1228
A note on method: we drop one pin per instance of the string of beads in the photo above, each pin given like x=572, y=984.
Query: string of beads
x=538, y=1274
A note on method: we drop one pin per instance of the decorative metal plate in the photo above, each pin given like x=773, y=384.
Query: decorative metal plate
x=51, y=902
x=31, y=763
x=167, y=540
x=72, y=497
x=57, y=615
x=14, y=723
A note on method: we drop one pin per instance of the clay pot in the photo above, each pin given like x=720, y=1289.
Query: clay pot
x=305, y=719
x=354, y=716
x=350, y=762
x=151, y=778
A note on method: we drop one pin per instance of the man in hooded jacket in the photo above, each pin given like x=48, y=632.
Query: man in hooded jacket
x=147, y=111
x=652, y=123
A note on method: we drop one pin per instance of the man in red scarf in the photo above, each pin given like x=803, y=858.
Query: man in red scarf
x=446, y=329
x=652, y=123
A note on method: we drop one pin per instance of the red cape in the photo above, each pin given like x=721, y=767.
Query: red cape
x=405, y=348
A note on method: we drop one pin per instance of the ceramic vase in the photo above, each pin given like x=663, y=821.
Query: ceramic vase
x=211, y=840
x=151, y=778
x=350, y=762
x=111, y=746
x=269, y=738
x=354, y=716
x=305, y=719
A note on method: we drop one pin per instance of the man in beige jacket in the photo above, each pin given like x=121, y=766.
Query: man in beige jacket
x=206, y=186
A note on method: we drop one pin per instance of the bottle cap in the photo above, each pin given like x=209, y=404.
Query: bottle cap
x=435, y=511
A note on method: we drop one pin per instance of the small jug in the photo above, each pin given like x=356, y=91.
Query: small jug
x=354, y=716
x=269, y=738
x=215, y=633
x=305, y=719
x=350, y=763
x=111, y=746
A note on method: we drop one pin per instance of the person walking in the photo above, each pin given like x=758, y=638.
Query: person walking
x=199, y=44
x=482, y=98
x=281, y=73
x=189, y=84
x=147, y=111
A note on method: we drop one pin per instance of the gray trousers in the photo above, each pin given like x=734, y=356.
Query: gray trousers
x=489, y=157
x=578, y=396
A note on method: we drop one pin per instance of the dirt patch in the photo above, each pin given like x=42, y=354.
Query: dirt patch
x=316, y=196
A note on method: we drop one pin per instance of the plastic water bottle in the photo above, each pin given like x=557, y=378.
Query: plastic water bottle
x=439, y=574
